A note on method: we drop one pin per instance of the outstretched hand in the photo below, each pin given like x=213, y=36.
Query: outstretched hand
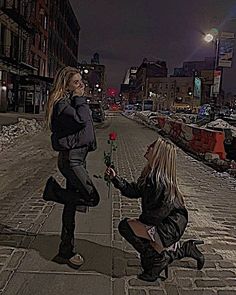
x=110, y=172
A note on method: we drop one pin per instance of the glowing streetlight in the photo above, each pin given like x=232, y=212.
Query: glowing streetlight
x=97, y=85
x=86, y=71
x=208, y=38
x=213, y=37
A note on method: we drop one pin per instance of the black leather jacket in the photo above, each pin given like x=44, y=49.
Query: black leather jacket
x=170, y=219
x=72, y=124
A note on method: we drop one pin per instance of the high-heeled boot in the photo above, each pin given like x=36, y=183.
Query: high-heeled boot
x=54, y=192
x=189, y=249
x=140, y=244
x=154, y=266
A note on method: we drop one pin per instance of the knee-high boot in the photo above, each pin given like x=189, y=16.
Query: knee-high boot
x=153, y=268
x=54, y=192
x=142, y=246
x=189, y=249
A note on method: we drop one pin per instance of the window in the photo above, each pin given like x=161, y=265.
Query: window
x=44, y=45
x=40, y=41
x=2, y=39
x=43, y=68
x=39, y=63
x=2, y=3
x=24, y=51
x=45, y=22
x=14, y=46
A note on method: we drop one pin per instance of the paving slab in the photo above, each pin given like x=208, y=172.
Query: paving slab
x=59, y=283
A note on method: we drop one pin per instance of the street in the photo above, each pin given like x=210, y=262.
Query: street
x=30, y=227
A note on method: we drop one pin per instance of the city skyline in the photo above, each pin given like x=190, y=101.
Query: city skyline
x=169, y=31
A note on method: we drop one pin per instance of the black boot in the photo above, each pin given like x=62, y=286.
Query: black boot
x=141, y=245
x=154, y=266
x=189, y=249
x=49, y=192
x=54, y=192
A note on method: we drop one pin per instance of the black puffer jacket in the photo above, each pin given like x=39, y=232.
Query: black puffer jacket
x=170, y=219
x=72, y=124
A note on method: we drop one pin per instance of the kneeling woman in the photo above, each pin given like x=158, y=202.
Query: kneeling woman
x=163, y=219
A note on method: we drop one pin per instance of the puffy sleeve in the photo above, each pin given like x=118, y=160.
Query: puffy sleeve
x=69, y=116
x=129, y=190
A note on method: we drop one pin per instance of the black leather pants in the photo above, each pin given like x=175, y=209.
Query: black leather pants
x=72, y=164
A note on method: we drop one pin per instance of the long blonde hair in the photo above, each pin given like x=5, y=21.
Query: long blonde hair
x=161, y=168
x=59, y=89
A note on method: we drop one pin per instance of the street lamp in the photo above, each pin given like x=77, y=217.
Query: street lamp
x=213, y=37
x=208, y=38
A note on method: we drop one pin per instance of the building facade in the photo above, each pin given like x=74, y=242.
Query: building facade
x=63, y=36
x=146, y=71
x=94, y=75
x=15, y=32
x=173, y=93
x=204, y=70
x=37, y=38
x=127, y=88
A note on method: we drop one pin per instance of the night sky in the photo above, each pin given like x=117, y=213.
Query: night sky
x=124, y=32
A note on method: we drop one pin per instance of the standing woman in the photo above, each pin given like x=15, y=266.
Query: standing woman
x=68, y=117
x=163, y=218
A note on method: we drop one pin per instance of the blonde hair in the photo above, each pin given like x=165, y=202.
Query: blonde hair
x=59, y=89
x=161, y=168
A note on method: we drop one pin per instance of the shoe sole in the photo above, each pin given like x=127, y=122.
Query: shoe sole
x=61, y=260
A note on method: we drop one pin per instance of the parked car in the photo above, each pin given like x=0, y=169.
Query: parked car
x=98, y=113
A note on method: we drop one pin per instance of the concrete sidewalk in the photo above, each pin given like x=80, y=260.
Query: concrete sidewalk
x=37, y=274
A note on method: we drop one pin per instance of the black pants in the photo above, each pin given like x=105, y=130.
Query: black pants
x=72, y=165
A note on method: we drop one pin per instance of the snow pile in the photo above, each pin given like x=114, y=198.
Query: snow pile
x=219, y=123
x=24, y=126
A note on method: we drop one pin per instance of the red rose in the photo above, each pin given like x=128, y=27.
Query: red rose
x=112, y=136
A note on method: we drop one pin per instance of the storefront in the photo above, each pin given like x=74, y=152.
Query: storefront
x=33, y=93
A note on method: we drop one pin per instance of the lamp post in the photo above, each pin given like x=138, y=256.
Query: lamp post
x=213, y=37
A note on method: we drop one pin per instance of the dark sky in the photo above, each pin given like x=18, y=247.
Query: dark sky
x=123, y=32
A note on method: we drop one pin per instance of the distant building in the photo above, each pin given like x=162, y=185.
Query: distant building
x=127, y=88
x=172, y=93
x=146, y=71
x=94, y=76
x=190, y=67
x=202, y=69
x=64, y=32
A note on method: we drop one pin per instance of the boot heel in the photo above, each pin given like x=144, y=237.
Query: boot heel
x=166, y=272
x=200, y=262
x=198, y=242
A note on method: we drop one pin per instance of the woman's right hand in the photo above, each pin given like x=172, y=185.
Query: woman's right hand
x=110, y=172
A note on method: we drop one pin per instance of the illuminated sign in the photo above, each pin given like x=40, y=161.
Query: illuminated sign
x=197, y=87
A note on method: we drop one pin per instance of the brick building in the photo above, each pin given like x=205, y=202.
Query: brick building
x=37, y=37
x=63, y=36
